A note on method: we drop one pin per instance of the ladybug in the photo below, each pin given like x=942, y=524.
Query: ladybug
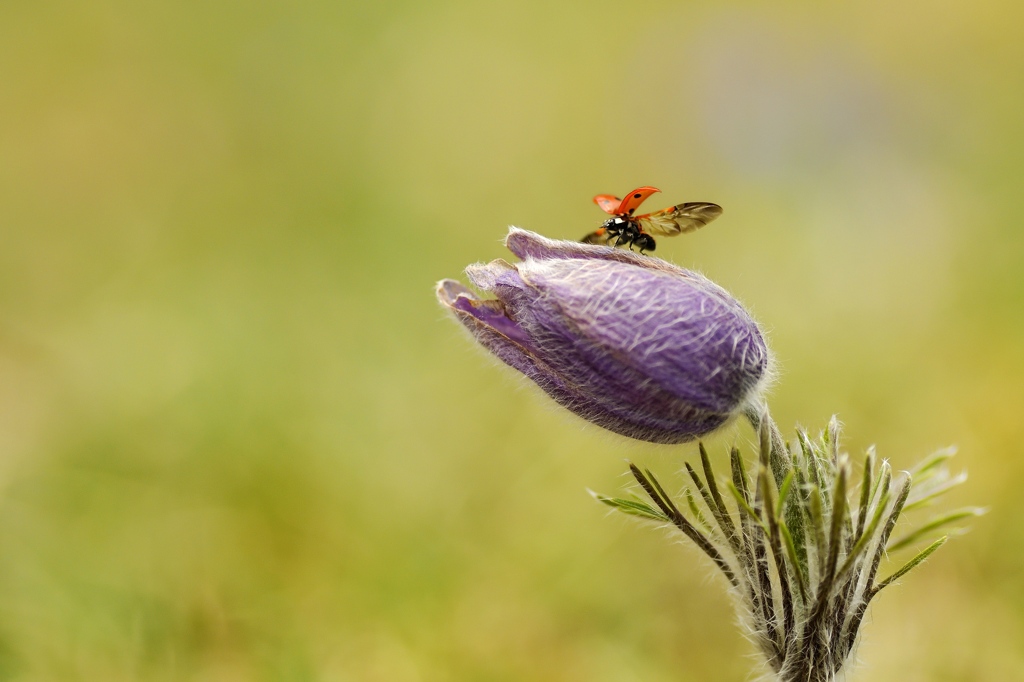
x=626, y=229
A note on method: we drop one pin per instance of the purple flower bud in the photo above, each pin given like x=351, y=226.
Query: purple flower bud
x=629, y=342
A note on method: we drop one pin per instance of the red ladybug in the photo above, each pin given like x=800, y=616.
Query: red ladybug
x=626, y=229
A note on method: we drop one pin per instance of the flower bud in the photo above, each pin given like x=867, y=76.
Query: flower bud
x=629, y=342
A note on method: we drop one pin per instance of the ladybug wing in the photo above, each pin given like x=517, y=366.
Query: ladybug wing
x=598, y=236
x=686, y=217
x=608, y=203
x=634, y=199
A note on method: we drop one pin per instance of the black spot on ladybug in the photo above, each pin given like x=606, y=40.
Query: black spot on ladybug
x=631, y=211
x=637, y=195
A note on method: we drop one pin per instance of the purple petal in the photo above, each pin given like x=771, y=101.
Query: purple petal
x=629, y=342
x=488, y=313
x=685, y=334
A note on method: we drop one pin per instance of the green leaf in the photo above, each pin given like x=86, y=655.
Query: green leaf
x=832, y=439
x=784, y=494
x=906, y=568
x=865, y=489
x=930, y=464
x=924, y=495
x=720, y=511
x=798, y=568
x=632, y=507
x=745, y=506
x=867, y=534
x=661, y=491
x=817, y=522
x=934, y=524
x=697, y=514
x=838, y=516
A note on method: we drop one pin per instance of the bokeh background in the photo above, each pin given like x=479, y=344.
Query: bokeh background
x=239, y=440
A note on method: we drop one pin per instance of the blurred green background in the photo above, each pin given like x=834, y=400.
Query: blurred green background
x=239, y=440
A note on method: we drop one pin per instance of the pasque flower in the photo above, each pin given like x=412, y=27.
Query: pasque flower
x=655, y=352
x=629, y=342
x=661, y=354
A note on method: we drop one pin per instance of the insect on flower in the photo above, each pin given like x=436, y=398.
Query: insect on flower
x=626, y=229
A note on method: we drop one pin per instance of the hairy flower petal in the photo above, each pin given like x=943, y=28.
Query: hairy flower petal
x=629, y=342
